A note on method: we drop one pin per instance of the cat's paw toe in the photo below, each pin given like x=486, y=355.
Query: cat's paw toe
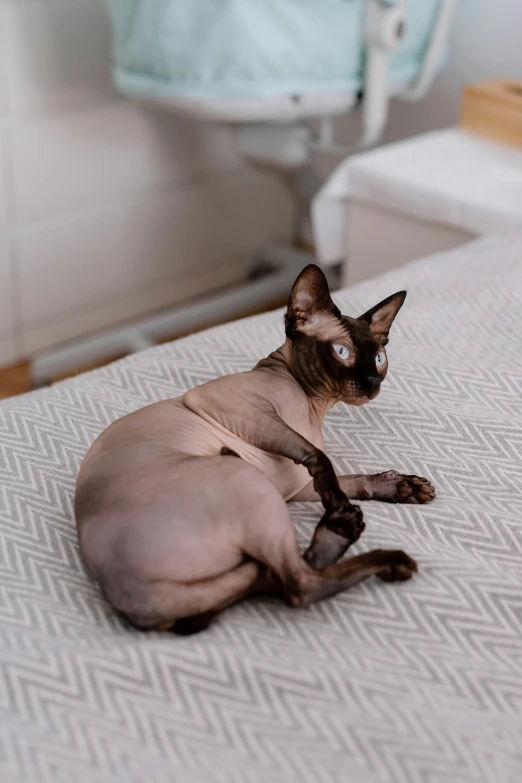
x=400, y=567
x=414, y=489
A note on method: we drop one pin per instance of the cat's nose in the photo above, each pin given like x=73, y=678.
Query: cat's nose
x=372, y=384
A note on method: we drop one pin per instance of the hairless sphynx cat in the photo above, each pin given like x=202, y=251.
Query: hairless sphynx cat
x=181, y=506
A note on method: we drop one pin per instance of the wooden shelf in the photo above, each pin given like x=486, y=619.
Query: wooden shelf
x=494, y=109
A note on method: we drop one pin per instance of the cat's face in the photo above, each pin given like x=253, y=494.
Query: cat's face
x=333, y=355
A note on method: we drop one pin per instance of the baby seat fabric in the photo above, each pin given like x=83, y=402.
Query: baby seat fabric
x=252, y=48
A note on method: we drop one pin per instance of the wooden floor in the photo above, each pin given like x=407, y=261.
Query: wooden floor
x=17, y=378
x=14, y=380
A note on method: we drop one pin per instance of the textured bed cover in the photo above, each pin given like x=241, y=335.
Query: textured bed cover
x=413, y=683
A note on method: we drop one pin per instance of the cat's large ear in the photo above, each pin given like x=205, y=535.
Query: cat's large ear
x=381, y=317
x=310, y=307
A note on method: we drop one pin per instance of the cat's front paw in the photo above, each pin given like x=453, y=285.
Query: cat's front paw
x=395, y=487
x=346, y=521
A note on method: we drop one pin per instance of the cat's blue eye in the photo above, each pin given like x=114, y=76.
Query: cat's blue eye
x=380, y=359
x=342, y=351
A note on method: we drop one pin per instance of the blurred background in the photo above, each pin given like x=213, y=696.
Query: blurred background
x=112, y=209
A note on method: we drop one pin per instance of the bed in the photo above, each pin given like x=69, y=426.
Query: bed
x=412, y=683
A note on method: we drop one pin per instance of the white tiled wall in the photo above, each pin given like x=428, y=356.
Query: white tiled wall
x=6, y=311
x=106, y=153
x=107, y=210
x=4, y=222
x=103, y=256
x=58, y=53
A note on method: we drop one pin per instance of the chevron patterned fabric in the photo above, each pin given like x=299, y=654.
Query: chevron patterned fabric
x=412, y=683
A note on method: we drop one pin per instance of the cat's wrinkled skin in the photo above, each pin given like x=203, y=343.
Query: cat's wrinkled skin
x=181, y=506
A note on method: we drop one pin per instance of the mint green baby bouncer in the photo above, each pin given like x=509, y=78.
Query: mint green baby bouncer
x=277, y=72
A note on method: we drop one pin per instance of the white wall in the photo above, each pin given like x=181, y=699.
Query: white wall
x=107, y=210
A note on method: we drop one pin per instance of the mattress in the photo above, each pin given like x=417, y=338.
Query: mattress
x=412, y=683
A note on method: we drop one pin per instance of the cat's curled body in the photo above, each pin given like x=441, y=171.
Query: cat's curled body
x=181, y=506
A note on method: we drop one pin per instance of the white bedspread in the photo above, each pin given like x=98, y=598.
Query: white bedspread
x=413, y=683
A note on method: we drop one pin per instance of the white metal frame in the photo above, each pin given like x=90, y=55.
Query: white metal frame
x=148, y=331
x=385, y=26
